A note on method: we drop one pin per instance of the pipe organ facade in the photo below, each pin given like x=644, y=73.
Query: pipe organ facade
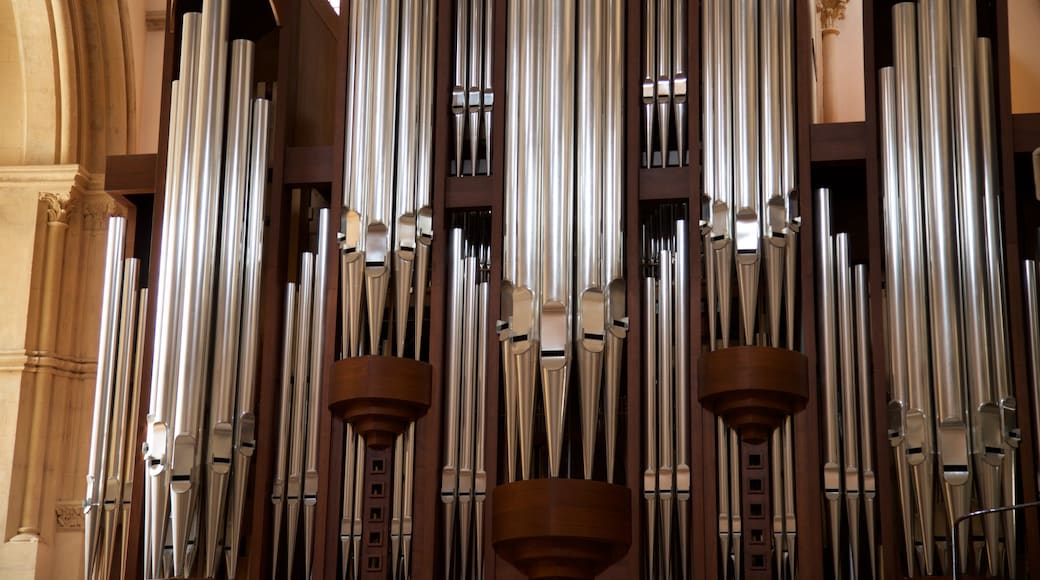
x=480, y=289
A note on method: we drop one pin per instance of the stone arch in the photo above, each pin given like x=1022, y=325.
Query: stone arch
x=71, y=65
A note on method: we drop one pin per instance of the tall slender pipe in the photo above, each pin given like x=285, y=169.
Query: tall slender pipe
x=920, y=432
x=228, y=308
x=1032, y=300
x=556, y=210
x=746, y=177
x=664, y=77
x=301, y=387
x=650, y=427
x=406, y=165
x=849, y=387
x=616, y=320
x=679, y=77
x=895, y=315
x=169, y=295
x=590, y=308
x=722, y=210
x=940, y=226
x=865, y=400
x=200, y=235
x=424, y=174
x=649, y=86
x=773, y=195
x=682, y=375
x=103, y=391
x=510, y=223
x=245, y=419
x=281, y=465
x=997, y=282
x=450, y=473
x=131, y=450
x=832, y=477
x=121, y=415
x=315, y=400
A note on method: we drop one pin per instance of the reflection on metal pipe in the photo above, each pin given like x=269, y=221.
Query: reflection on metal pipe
x=284, y=417
x=563, y=300
x=953, y=301
x=832, y=479
x=104, y=391
x=472, y=97
x=866, y=422
x=464, y=479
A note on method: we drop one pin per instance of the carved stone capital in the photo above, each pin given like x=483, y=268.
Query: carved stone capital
x=59, y=206
x=97, y=211
x=831, y=11
x=69, y=515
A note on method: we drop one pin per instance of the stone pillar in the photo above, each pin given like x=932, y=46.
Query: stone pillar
x=830, y=12
x=49, y=295
x=50, y=289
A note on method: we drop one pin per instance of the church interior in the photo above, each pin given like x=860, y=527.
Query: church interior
x=507, y=289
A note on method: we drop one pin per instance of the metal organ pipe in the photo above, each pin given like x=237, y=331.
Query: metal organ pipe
x=945, y=284
x=103, y=393
x=895, y=287
x=750, y=179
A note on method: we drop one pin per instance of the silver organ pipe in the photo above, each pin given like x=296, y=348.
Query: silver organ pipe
x=997, y=298
x=952, y=417
x=472, y=97
x=895, y=288
x=108, y=350
x=560, y=305
x=665, y=82
x=110, y=476
x=229, y=303
x=826, y=297
x=750, y=225
x=200, y=423
x=463, y=477
x=281, y=465
x=666, y=479
x=386, y=232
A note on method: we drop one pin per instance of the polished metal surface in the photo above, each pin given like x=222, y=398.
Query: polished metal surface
x=104, y=390
x=895, y=315
x=281, y=466
x=168, y=300
x=828, y=340
x=245, y=418
x=849, y=402
x=997, y=294
x=865, y=402
x=746, y=168
x=301, y=388
x=228, y=307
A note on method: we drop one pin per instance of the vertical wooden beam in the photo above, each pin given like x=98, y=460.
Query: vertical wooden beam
x=1016, y=305
x=806, y=423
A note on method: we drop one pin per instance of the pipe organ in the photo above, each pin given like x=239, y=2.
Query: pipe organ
x=408, y=332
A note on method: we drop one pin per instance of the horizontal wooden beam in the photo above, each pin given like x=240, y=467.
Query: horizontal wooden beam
x=838, y=141
x=1026, y=132
x=130, y=174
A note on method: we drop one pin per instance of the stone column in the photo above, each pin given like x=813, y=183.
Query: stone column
x=830, y=12
x=47, y=328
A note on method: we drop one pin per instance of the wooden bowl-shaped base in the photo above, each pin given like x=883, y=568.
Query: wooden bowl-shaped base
x=380, y=395
x=753, y=388
x=566, y=529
